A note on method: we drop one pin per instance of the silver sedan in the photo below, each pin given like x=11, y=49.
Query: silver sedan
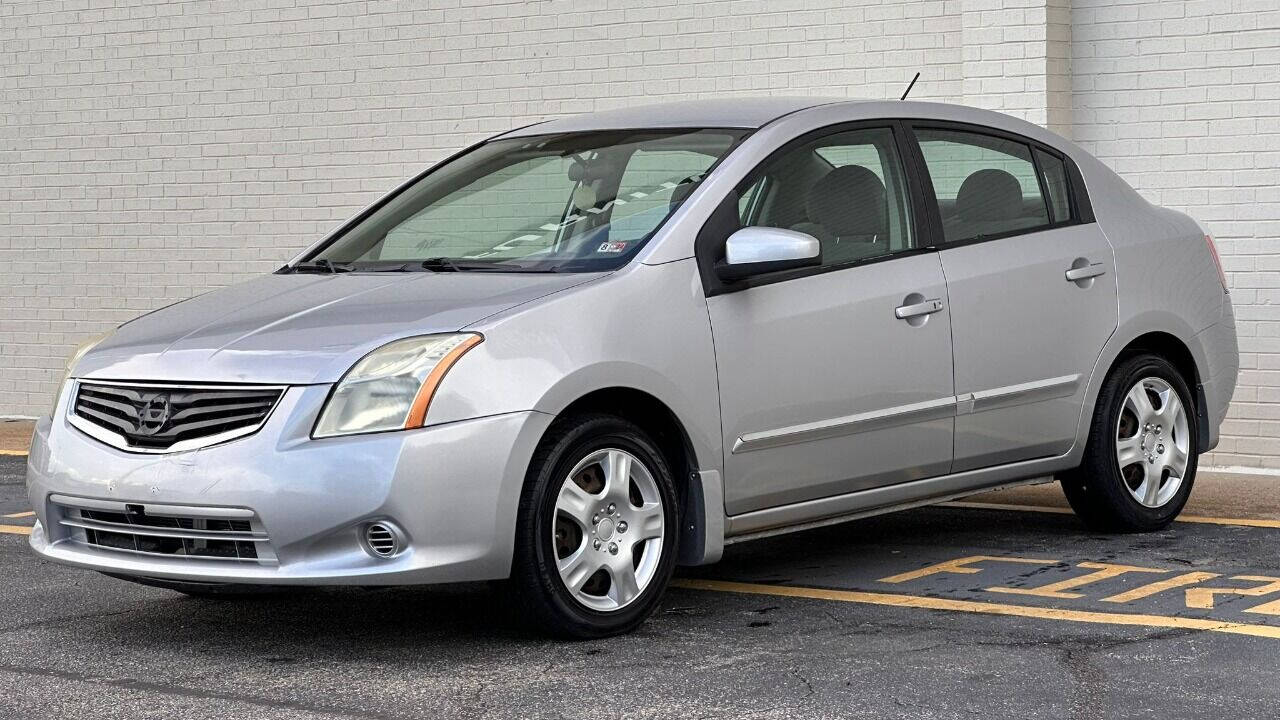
x=584, y=352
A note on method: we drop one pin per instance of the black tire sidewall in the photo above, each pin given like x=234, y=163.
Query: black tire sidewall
x=1102, y=464
x=535, y=559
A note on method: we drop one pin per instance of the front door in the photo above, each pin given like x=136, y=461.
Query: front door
x=838, y=378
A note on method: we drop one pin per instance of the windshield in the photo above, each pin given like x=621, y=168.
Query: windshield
x=573, y=202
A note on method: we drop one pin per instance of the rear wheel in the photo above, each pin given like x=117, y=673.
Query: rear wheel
x=1140, y=462
x=596, y=538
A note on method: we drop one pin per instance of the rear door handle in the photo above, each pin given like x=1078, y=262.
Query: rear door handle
x=1086, y=272
x=928, y=307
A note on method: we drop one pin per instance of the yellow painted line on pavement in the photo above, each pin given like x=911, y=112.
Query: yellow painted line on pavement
x=28, y=513
x=15, y=530
x=982, y=608
x=15, y=453
x=1173, y=583
x=1245, y=522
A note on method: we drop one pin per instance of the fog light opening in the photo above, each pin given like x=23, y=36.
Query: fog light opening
x=382, y=540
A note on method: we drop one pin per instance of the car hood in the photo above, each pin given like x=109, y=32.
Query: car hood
x=304, y=328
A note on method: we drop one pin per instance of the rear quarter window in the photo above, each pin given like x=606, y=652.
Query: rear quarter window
x=1054, y=172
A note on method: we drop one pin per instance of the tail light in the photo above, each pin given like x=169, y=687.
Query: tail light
x=1217, y=262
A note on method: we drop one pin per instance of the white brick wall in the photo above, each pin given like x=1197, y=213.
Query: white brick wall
x=154, y=150
x=1007, y=51
x=1183, y=100
x=151, y=150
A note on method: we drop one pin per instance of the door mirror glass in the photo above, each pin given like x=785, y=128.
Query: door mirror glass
x=755, y=250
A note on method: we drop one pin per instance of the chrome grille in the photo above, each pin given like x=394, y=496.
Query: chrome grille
x=222, y=534
x=168, y=418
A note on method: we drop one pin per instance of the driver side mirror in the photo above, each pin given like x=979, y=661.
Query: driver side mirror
x=756, y=250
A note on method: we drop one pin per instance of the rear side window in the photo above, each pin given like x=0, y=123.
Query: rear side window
x=985, y=186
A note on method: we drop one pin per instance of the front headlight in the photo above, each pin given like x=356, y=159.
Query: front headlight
x=391, y=387
x=70, y=367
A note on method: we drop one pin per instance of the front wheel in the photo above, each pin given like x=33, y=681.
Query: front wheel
x=1140, y=462
x=597, y=532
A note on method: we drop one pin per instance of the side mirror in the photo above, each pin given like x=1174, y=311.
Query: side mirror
x=755, y=250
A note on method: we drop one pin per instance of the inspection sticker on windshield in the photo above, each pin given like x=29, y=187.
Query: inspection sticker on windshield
x=616, y=246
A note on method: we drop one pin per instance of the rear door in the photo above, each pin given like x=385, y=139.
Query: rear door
x=1032, y=285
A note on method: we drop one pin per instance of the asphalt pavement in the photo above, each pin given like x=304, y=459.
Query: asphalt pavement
x=943, y=612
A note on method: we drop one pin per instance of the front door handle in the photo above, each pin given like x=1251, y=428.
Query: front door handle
x=1076, y=274
x=927, y=307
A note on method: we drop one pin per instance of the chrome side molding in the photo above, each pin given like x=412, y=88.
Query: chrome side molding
x=847, y=425
x=954, y=406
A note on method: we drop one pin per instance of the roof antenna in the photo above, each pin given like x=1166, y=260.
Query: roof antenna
x=913, y=84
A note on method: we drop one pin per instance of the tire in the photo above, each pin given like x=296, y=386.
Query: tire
x=573, y=514
x=206, y=591
x=1146, y=489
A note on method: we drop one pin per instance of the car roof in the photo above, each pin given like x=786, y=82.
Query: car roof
x=732, y=112
x=751, y=113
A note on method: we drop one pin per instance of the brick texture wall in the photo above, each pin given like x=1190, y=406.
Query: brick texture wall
x=1183, y=100
x=151, y=150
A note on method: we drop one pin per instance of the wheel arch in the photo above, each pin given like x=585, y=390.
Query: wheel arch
x=651, y=414
x=1169, y=347
x=1177, y=351
x=701, y=496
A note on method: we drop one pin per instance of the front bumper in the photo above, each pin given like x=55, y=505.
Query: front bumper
x=452, y=489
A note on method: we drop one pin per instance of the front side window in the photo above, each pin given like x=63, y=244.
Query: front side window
x=984, y=185
x=847, y=189
x=574, y=202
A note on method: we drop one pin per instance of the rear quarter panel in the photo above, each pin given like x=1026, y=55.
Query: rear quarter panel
x=1166, y=281
x=1163, y=265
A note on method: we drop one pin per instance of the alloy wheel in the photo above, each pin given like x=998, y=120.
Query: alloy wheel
x=608, y=529
x=1153, y=443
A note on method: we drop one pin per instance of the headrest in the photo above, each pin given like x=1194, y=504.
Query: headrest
x=849, y=200
x=989, y=195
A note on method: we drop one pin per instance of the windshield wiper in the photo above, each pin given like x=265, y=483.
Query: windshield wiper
x=319, y=266
x=435, y=264
x=444, y=264
x=439, y=264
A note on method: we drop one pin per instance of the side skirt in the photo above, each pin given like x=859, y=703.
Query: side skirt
x=876, y=501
